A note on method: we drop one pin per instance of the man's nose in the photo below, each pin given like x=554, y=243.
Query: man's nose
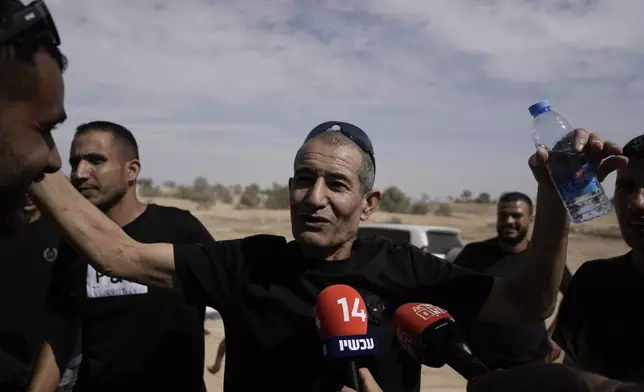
x=81, y=171
x=637, y=202
x=317, y=196
x=53, y=161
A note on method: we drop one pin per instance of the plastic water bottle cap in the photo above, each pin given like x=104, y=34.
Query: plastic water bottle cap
x=539, y=108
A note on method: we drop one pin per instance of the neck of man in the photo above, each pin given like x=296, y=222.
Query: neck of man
x=513, y=247
x=127, y=209
x=637, y=258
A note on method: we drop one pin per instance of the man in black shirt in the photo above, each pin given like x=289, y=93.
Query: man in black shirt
x=502, y=346
x=24, y=282
x=265, y=288
x=547, y=377
x=31, y=103
x=599, y=325
x=134, y=337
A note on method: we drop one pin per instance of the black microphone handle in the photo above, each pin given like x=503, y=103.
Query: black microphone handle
x=466, y=364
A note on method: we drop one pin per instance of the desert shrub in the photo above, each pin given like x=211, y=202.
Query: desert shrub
x=419, y=208
x=249, y=197
x=395, y=219
x=466, y=194
x=444, y=209
x=277, y=197
x=204, y=200
x=483, y=198
x=202, y=193
x=236, y=189
x=222, y=194
x=147, y=188
x=394, y=200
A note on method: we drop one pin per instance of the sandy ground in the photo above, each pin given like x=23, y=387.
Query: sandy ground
x=475, y=221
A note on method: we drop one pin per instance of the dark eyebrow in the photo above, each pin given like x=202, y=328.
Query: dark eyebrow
x=60, y=118
x=333, y=176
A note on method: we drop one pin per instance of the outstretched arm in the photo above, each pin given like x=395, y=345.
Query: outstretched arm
x=107, y=247
x=532, y=295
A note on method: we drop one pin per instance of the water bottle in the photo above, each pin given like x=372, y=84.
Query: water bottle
x=571, y=173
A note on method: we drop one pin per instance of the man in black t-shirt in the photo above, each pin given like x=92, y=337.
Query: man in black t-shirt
x=547, y=377
x=134, y=337
x=503, y=346
x=24, y=281
x=599, y=325
x=31, y=104
x=265, y=288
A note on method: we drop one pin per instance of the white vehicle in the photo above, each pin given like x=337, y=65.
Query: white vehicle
x=437, y=240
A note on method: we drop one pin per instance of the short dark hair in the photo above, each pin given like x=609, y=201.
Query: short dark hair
x=120, y=134
x=634, y=148
x=516, y=196
x=367, y=175
x=17, y=66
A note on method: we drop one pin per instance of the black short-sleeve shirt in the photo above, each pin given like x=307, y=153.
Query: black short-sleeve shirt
x=134, y=337
x=265, y=290
x=599, y=325
x=26, y=260
x=501, y=346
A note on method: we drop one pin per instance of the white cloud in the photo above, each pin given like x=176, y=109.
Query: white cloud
x=229, y=89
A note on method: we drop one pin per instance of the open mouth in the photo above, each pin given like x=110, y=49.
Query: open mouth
x=82, y=189
x=315, y=221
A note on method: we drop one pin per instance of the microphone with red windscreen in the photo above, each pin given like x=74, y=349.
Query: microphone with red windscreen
x=341, y=317
x=430, y=335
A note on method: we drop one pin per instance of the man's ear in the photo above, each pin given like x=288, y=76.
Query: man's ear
x=370, y=204
x=133, y=171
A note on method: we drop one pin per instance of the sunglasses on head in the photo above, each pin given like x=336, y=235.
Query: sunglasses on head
x=33, y=19
x=355, y=134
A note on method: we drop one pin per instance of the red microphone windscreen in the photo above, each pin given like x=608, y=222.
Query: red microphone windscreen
x=411, y=320
x=340, y=311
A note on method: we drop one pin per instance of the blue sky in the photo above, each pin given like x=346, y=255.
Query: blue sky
x=229, y=89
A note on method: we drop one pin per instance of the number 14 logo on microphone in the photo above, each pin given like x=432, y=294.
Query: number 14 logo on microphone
x=355, y=312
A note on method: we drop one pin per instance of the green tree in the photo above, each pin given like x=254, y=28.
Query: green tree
x=466, y=194
x=484, y=198
x=250, y=197
x=394, y=200
x=222, y=193
x=278, y=197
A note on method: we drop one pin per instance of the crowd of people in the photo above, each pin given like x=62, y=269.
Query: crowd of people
x=103, y=292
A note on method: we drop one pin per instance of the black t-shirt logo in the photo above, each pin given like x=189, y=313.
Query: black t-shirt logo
x=50, y=254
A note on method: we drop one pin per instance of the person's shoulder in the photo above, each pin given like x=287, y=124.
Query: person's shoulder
x=179, y=217
x=488, y=243
x=386, y=250
x=602, y=267
x=169, y=212
x=473, y=251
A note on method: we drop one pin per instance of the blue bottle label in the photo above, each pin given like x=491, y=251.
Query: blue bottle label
x=574, y=182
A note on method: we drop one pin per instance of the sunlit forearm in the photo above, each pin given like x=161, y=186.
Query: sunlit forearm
x=107, y=247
